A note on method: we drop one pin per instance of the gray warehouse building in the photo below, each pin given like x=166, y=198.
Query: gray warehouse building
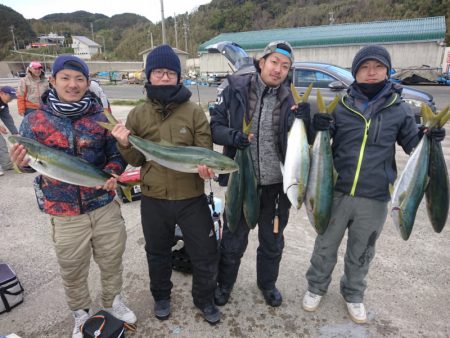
x=412, y=42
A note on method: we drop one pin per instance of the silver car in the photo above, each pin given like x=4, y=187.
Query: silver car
x=330, y=79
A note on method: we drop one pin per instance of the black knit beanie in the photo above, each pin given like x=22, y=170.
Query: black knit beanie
x=371, y=52
x=162, y=56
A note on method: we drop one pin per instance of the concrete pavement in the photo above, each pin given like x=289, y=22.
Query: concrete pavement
x=408, y=291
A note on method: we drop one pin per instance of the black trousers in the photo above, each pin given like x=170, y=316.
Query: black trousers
x=193, y=215
x=270, y=249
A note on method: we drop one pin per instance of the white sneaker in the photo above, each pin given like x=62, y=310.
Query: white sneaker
x=80, y=317
x=121, y=311
x=311, y=301
x=357, y=312
x=2, y=172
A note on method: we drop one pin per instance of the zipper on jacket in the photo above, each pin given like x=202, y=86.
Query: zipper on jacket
x=363, y=145
x=261, y=105
x=361, y=149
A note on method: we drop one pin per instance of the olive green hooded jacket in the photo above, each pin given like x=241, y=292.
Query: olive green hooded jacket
x=182, y=124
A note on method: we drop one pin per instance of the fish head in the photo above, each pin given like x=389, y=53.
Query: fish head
x=222, y=165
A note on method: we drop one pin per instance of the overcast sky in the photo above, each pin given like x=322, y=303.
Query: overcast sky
x=151, y=9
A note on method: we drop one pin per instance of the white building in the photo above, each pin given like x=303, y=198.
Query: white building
x=411, y=42
x=84, y=48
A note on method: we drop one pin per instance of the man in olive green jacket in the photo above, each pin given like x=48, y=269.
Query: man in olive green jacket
x=170, y=197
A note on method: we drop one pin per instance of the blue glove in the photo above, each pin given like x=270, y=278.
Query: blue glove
x=303, y=111
x=322, y=121
x=241, y=140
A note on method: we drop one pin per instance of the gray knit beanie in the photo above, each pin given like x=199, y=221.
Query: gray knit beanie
x=371, y=52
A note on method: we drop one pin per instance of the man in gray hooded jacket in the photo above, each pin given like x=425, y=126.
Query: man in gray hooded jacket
x=365, y=126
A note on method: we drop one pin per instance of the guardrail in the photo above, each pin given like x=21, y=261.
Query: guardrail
x=9, y=81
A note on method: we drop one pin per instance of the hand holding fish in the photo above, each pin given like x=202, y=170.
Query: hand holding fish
x=18, y=155
x=110, y=184
x=205, y=172
x=121, y=133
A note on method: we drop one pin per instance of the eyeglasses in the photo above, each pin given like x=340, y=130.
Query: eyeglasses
x=159, y=73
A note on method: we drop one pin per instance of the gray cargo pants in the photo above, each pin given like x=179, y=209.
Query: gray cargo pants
x=364, y=219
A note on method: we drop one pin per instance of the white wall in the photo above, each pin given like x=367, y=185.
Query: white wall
x=403, y=55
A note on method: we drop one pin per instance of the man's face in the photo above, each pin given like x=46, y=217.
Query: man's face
x=70, y=85
x=371, y=71
x=163, y=77
x=36, y=71
x=274, y=69
x=6, y=98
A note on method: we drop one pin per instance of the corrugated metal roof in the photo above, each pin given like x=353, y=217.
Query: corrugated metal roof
x=421, y=29
x=86, y=41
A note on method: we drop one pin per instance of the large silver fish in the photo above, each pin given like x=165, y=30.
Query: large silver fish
x=64, y=167
x=180, y=158
x=296, y=164
x=437, y=194
x=319, y=192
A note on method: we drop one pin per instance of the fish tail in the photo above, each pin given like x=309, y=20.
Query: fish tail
x=106, y=125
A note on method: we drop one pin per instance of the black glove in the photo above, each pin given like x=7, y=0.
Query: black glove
x=241, y=140
x=322, y=121
x=437, y=134
x=422, y=131
x=303, y=111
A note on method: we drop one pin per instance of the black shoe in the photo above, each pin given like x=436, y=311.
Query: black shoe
x=162, y=309
x=272, y=297
x=221, y=295
x=211, y=314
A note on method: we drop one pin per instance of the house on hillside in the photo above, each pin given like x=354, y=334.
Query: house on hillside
x=411, y=42
x=181, y=54
x=84, y=48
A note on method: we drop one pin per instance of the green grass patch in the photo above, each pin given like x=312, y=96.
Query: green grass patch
x=127, y=102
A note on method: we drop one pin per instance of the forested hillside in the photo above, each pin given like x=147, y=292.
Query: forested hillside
x=125, y=35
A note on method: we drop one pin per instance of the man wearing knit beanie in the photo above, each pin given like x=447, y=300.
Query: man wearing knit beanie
x=364, y=127
x=172, y=198
x=162, y=57
x=372, y=52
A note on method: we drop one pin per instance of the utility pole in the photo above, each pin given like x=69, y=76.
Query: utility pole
x=150, y=37
x=14, y=39
x=176, y=30
x=92, y=30
x=186, y=28
x=162, y=23
x=331, y=17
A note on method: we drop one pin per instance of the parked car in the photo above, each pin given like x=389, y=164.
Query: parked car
x=330, y=79
x=333, y=80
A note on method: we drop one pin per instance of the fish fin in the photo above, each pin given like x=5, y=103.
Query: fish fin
x=321, y=107
x=110, y=117
x=335, y=176
x=17, y=169
x=391, y=189
x=443, y=117
x=246, y=126
x=127, y=192
x=333, y=104
x=295, y=94
x=307, y=92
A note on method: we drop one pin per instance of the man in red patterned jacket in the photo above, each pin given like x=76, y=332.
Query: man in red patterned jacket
x=85, y=221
